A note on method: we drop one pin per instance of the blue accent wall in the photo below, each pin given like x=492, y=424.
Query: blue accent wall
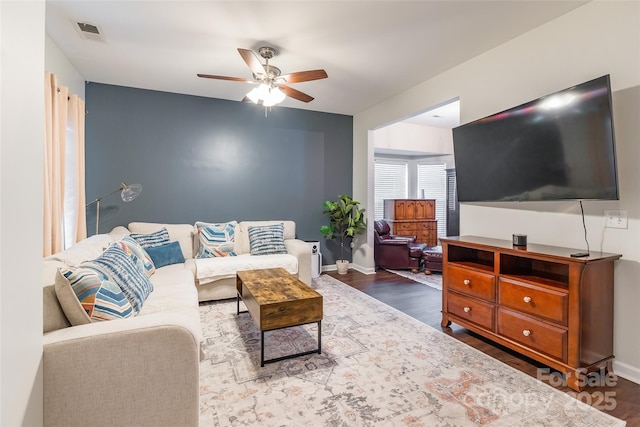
x=205, y=159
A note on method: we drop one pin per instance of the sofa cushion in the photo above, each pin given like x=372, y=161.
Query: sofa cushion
x=86, y=296
x=149, y=240
x=212, y=269
x=88, y=248
x=138, y=255
x=171, y=298
x=183, y=233
x=216, y=239
x=242, y=244
x=171, y=275
x=167, y=254
x=267, y=239
x=116, y=266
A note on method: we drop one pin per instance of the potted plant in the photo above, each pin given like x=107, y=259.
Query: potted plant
x=346, y=220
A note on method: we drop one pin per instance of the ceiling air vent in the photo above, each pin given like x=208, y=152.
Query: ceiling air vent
x=88, y=28
x=89, y=31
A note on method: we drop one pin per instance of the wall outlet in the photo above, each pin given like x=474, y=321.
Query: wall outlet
x=615, y=219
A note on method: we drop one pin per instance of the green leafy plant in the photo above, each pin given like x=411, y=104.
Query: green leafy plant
x=346, y=220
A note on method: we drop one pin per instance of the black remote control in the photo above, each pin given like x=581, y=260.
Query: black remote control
x=580, y=254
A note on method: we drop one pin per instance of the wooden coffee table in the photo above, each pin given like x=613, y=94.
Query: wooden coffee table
x=275, y=299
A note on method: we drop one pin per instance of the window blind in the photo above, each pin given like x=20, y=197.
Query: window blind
x=432, y=184
x=391, y=182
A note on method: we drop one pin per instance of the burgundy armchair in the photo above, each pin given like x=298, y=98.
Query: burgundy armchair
x=394, y=251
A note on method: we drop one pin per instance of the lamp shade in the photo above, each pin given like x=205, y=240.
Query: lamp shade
x=130, y=191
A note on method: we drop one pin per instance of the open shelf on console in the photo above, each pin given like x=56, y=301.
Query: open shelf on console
x=472, y=257
x=542, y=272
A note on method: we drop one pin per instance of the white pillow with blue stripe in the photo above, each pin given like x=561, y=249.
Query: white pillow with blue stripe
x=151, y=240
x=267, y=239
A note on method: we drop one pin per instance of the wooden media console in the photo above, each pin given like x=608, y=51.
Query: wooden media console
x=537, y=300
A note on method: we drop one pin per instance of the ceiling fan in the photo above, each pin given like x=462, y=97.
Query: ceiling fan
x=271, y=87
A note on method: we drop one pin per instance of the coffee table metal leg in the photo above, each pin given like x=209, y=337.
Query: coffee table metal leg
x=290, y=356
x=262, y=349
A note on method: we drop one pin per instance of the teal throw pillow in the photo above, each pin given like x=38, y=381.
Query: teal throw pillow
x=167, y=254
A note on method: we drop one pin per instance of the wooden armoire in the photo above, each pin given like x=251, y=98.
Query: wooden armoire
x=413, y=217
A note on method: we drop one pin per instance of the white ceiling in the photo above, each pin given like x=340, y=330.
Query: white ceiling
x=371, y=50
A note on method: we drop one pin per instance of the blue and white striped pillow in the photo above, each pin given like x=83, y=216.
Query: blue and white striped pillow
x=267, y=239
x=138, y=255
x=151, y=240
x=117, y=267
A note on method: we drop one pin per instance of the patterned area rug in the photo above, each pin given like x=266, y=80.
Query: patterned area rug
x=378, y=367
x=433, y=280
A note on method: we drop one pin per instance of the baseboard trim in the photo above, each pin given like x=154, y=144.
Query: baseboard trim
x=626, y=371
x=356, y=267
x=363, y=270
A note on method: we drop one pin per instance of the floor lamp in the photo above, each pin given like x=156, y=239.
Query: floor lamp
x=128, y=192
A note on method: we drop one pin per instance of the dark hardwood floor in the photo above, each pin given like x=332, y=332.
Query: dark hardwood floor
x=620, y=398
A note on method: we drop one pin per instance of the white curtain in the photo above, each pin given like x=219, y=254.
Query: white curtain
x=64, y=199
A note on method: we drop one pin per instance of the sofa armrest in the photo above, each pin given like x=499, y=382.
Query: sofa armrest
x=136, y=371
x=411, y=239
x=190, y=264
x=301, y=250
x=395, y=242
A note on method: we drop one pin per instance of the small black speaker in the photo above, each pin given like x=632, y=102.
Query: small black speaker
x=519, y=240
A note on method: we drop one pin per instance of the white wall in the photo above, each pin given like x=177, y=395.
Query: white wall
x=412, y=137
x=55, y=62
x=596, y=39
x=21, y=154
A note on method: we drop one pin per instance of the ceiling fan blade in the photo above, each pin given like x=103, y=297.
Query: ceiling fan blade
x=252, y=61
x=233, y=79
x=304, y=76
x=295, y=94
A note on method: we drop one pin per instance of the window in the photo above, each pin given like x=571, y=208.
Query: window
x=391, y=182
x=432, y=184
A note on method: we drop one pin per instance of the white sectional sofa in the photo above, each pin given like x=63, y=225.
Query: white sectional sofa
x=144, y=369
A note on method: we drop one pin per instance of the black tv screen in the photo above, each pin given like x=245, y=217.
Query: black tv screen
x=558, y=147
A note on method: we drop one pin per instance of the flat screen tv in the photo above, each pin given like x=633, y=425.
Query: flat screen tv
x=558, y=147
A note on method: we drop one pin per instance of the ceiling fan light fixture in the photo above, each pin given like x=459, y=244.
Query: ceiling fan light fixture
x=269, y=96
x=254, y=95
x=275, y=96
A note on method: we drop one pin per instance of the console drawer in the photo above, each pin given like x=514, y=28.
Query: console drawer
x=532, y=333
x=470, y=282
x=471, y=309
x=541, y=302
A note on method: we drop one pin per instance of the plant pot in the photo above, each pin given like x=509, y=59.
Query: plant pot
x=342, y=265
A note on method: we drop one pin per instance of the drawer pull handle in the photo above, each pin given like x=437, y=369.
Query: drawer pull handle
x=467, y=282
x=467, y=309
x=526, y=332
x=526, y=299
